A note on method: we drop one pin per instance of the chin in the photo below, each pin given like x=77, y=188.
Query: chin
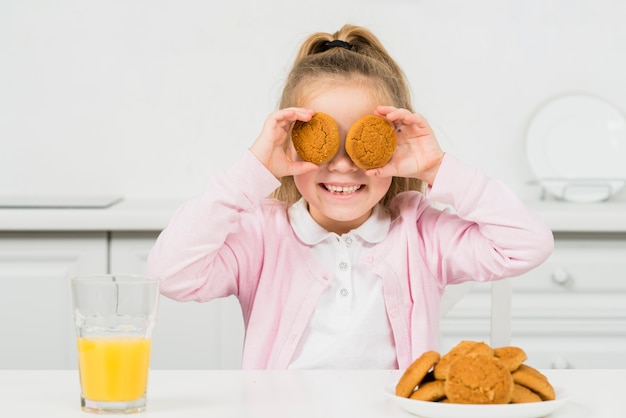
x=348, y=217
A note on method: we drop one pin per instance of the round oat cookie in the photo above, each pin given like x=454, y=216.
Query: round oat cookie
x=414, y=374
x=317, y=140
x=478, y=379
x=462, y=348
x=511, y=356
x=521, y=394
x=371, y=141
x=534, y=380
x=430, y=391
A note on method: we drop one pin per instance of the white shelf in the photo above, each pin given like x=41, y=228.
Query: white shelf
x=153, y=215
x=127, y=215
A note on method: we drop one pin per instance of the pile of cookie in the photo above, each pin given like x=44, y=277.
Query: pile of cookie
x=472, y=372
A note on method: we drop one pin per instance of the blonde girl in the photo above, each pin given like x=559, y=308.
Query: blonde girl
x=342, y=267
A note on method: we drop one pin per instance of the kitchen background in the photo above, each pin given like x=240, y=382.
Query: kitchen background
x=145, y=99
x=149, y=97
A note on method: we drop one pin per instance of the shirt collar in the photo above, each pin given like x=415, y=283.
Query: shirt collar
x=373, y=230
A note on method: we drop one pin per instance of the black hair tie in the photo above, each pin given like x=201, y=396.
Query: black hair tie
x=336, y=44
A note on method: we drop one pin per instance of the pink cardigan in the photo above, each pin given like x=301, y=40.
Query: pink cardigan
x=232, y=240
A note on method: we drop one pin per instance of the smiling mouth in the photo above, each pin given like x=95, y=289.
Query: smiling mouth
x=342, y=189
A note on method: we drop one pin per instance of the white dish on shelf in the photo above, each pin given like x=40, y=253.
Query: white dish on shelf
x=426, y=409
x=583, y=190
x=576, y=147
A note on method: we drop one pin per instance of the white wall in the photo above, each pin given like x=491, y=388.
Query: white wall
x=149, y=97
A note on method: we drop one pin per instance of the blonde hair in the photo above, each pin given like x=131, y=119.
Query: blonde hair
x=360, y=59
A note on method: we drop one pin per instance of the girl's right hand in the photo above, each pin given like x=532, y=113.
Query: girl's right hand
x=269, y=147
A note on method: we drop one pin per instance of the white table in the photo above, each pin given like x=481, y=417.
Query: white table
x=277, y=394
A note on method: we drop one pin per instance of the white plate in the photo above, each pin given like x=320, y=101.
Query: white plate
x=449, y=410
x=576, y=147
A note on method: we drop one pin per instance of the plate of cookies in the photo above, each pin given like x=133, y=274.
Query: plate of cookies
x=474, y=380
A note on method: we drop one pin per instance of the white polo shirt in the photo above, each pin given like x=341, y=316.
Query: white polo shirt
x=349, y=328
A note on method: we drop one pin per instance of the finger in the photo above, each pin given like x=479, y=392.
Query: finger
x=393, y=113
x=298, y=113
x=285, y=117
x=384, y=110
x=398, y=117
x=396, y=114
x=385, y=171
x=413, y=121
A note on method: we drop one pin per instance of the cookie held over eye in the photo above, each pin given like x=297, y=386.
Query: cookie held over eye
x=371, y=141
x=317, y=140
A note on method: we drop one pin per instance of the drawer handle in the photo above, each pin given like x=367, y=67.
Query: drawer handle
x=560, y=276
x=561, y=362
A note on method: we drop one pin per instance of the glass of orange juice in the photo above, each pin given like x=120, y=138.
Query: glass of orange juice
x=114, y=317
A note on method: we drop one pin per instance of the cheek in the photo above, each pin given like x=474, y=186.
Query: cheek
x=380, y=185
x=305, y=182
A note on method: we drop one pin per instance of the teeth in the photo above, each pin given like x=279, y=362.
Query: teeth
x=344, y=190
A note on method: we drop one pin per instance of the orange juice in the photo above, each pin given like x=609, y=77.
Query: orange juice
x=113, y=369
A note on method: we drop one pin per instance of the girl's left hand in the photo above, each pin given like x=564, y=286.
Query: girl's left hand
x=418, y=154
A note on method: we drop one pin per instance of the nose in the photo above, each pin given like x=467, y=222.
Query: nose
x=341, y=162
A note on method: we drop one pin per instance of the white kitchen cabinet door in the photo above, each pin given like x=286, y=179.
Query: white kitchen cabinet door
x=570, y=311
x=188, y=335
x=36, y=326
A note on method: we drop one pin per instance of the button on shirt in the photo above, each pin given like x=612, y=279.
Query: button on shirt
x=349, y=327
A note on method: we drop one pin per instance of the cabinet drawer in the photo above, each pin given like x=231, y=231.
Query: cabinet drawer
x=574, y=352
x=579, y=265
x=552, y=344
x=593, y=305
x=35, y=297
x=578, y=305
x=213, y=332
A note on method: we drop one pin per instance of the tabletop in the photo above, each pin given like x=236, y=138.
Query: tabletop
x=277, y=394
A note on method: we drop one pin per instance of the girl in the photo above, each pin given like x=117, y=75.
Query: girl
x=342, y=267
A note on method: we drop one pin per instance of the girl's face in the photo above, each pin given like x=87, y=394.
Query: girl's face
x=340, y=195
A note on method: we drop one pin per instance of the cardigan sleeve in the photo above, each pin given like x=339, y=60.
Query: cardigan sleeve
x=196, y=236
x=489, y=233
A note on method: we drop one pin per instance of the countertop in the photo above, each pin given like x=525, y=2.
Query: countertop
x=304, y=394
x=126, y=215
x=142, y=214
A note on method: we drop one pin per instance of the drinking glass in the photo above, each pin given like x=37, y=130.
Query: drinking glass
x=114, y=316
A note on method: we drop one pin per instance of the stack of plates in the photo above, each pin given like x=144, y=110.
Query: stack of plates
x=576, y=147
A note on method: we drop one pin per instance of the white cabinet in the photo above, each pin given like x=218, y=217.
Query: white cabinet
x=188, y=335
x=36, y=325
x=568, y=312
